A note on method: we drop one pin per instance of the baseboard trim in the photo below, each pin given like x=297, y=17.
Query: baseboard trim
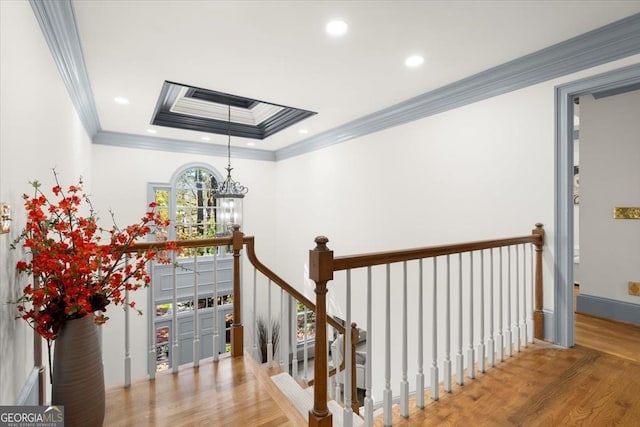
x=621, y=311
x=549, y=325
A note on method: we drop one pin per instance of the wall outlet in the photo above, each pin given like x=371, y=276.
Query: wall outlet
x=634, y=288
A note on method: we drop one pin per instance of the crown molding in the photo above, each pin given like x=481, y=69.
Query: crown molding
x=58, y=24
x=617, y=40
x=118, y=139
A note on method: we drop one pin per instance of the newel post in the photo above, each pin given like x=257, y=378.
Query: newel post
x=538, y=316
x=320, y=271
x=237, y=332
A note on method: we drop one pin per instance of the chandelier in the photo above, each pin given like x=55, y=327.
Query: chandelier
x=228, y=195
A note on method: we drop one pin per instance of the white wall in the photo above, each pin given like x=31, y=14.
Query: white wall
x=39, y=130
x=485, y=170
x=609, y=177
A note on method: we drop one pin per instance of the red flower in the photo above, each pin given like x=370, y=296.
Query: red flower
x=78, y=275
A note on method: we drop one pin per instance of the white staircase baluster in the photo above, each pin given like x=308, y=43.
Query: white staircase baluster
x=525, y=336
x=490, y=342
x=508, y=336
x=420, y=374
x=282, y=343
x=294, y=336
x=471, y=367
x=305, y=346
x=127, y=341
x=481, y=346
x=447, y=319
x=348, y=357
x=517, y=302
x=196, y=315
x=268, y=326
x=404, y=384
x=435, y=380
x=151, y=327
x=459, y=356
x=175, y=349
x=216, y=332
x=387, y=395
x=368, y=399
x=533, y=286
x=254, y=324
x=500, y=341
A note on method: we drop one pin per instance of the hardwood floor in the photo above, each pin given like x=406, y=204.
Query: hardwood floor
x=233, y=392
x=596, y=383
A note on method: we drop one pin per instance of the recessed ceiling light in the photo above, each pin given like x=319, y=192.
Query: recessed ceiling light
x=152, y=131
x=121, y=100
x=414, y=61
x=206, y=138
x=303, y=131
x=251, y=144
x=336, y=28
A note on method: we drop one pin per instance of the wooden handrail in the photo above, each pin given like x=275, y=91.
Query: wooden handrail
x=251, y=255
x=390, y=257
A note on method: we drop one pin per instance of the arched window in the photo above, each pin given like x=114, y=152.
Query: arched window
x=187, y=200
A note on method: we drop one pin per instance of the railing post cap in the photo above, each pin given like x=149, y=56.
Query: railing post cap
x=539, y=225
x=321, y=242
x=236, y=227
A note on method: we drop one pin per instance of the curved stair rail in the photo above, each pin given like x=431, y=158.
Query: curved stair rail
x=468, y=302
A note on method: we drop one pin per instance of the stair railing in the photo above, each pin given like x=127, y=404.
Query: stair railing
x=502, y=280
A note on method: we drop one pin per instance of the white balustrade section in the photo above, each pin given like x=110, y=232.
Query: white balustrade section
x=254, y=319
x=196, y=317
x=387, y=394
x=216, y=326
x=471, y=367
x=268, y=326
x=420, y=375
x=368, y=399
x=435, y=380
x=481, y=345
x=175, y=348
x=127, y=341
x=500, y=341
x=404, y=383
x=459, y=356
x=447, y=345
x=490, y=342
x=348, y=357
x=508, y=334
x=151, y=328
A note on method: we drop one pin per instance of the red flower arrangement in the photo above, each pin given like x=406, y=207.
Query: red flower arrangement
x=78, y=275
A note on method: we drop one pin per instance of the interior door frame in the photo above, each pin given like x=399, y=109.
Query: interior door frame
x=610, y=83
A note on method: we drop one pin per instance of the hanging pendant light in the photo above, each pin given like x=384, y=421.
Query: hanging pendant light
x=228, y=195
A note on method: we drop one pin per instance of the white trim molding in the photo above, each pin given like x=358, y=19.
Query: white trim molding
x=58, y=23
x=625, y=77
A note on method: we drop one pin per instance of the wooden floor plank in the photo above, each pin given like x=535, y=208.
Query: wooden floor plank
x=596, y=383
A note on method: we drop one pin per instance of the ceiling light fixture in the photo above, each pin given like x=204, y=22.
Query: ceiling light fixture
x=121, y=100
x=303, y=131
x=152, y=131
x=336, y=28
x=414, y=61
x=206, y=138
x=229, y=195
